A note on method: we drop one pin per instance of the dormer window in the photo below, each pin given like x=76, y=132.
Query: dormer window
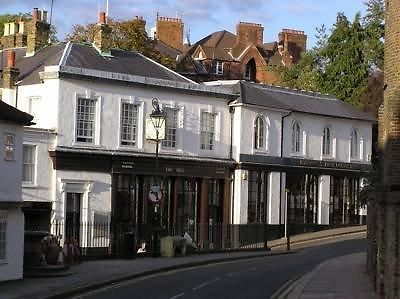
x=219, y=68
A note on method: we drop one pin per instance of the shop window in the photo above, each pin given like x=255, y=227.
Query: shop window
x=129, y=124
x=3, y=235
x=86, y=120
x=256, y=209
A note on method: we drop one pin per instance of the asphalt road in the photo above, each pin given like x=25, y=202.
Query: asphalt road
x=253, y=278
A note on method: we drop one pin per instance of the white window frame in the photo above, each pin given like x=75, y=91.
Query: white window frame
x=31, y=164
x=327, y=142
x=93, y=139
x=33, y=107
x=259, y=133
x=208, y=131
x=171, y=130
x=297, y=138
x=355, y=144
x=9, y=146
x=3, y=236
x=219, y=67
x=129, y=143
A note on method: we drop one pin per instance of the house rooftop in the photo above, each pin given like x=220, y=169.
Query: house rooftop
x=10, y=114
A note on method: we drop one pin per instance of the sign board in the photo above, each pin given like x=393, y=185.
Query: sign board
x=151, y=131
x=155, y=194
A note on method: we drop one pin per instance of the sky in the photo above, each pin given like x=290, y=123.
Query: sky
x=201, y=17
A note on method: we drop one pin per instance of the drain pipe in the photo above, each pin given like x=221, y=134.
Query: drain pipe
x=280, y=173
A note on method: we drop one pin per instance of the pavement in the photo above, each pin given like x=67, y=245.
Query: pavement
x=342, y=277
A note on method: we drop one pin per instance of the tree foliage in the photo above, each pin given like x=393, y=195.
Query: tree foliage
x=347, y=61
x=127, y=35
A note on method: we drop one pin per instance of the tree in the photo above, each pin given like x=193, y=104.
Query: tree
x=374, y=24
x=126, y=35
x=346, y=72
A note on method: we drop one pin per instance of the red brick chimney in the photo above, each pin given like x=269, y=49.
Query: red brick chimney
x=38, y=32
x=294, y=41
x=170, y=32
x=249, y=33
x=102, y=37
x=10, y=73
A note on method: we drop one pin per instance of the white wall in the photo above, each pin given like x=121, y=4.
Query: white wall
x=109, y=101
x=94, y=187
x=324, y=184
x=273, y=197
x=11, y=171
x=43, y=188
x=13, y=267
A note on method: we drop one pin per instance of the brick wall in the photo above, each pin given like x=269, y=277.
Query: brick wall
x=170, y=32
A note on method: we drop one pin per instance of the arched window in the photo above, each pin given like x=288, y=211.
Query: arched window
x=259, y=133
x=296, y=138
x=355, y=145
x=326, y=142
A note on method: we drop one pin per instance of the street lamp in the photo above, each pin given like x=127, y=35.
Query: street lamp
x=157, y=122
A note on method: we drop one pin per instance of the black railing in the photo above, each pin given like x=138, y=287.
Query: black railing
x=109, y=240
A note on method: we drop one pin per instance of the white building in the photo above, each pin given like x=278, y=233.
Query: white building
x=223, y=160
x=310, y=147
x=11, y=216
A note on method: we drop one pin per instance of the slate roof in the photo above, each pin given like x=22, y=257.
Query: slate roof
x=299, y=101
x=10, y=114
x=86, y=56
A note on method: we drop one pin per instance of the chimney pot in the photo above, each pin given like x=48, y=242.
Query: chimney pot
x=11, y=59
x=35, y=14
x=102, y=17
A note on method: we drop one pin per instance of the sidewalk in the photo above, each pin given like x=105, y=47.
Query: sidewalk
x=343, y=277
x=92, y=274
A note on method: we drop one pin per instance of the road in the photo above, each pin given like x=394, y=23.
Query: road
x=253, y=278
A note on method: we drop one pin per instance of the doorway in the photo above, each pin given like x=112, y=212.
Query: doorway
x=73, y=216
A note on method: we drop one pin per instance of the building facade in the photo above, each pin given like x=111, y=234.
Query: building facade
x=11, y=215
x=236, y=154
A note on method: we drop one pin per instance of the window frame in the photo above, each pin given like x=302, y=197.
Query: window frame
x=9, y=147
x=208, y=132
x=171, y=130
x=297, y=138
x=259, y=133
x=33, y=164
x=93, y=139
x=219, y=67
x=355, y=144
x=3, y=236
x=327, y=142
x=129, y=143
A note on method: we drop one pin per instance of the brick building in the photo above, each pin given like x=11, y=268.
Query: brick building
x=223, y=55
x=384, y=217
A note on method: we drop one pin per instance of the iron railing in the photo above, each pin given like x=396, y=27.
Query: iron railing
x=108, y=240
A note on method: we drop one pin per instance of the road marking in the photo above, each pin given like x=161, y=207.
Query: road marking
x=205, y=284
x=239, y=272
x=177, y=296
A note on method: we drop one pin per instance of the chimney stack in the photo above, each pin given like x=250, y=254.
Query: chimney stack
x=249, y=33
x=102, y=37
x=294, y=41
x=170, y=32
x=38, y=32
x=10, y=73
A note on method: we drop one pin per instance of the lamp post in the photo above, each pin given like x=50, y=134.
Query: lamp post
x=157, y=118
